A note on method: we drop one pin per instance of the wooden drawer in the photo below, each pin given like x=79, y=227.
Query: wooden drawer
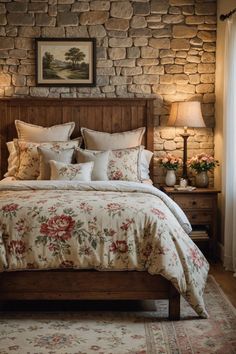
x=194, y=202
x=199, y=217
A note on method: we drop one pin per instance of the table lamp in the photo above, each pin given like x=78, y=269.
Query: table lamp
x=186, y=114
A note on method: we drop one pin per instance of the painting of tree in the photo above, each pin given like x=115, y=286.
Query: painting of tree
x=74, y=55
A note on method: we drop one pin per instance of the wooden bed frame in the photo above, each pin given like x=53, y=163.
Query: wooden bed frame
x=109, y=115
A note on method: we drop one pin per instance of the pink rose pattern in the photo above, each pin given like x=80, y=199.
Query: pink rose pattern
x=46, y=229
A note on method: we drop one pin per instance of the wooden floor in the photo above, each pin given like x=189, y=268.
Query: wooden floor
x=226, y=281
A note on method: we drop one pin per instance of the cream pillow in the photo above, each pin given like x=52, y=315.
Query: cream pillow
x=71, y=172
x=100, y=160
x=45, y=155
x=95, y=140
x=28, y=167
x=37, y=133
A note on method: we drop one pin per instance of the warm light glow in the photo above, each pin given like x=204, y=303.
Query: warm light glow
x=186, y=114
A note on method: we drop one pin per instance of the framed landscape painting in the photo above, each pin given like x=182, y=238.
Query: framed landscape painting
x=66, y=62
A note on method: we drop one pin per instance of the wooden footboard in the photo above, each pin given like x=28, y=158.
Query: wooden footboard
x=88, y=285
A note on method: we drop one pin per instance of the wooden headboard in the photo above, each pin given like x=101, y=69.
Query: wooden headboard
x=108, y=115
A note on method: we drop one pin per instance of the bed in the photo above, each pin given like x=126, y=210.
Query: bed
x=93, y=281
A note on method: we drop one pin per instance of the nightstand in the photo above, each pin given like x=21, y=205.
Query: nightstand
x=200, y=206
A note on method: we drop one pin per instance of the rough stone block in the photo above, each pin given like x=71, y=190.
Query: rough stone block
x=106, y=71
x=205, y=8
x=6, y=43
x=162, y=33
x=22, y=20
x=5, y=79
x=140, y=42
x=174, y=69
x=133, y=52
x=121, y=9
x=140, y=32
x=29, y=32
x=172, y=19
x=143, y=89
x=120, y=42
x=120, y=80
x=131, y=71
x=205, y=88
x=39, y=91
x=56, y=32
x=207, y=78
x=24, y=91
x=93, y=17
x=97, y=5
x=78, y=31
x=194, y=20
x=165, y=61
x=26, y=69
x=52, y=10
x=166, y=79
x=16, y=7
x=180, y=31
x=180, y=44
x=206, y=68
x=146, y=79
x=163, y=43
x=208, y=57
x=141, y=9
x=24, y=43
x=125, y=63
x=3, y=9
x=154, y=70
x=191, y=68
x=18, y=54
x=18, y=80
x=117, y=24
x=117, y=53
x=207, y=36
x=159, y=6
x=149, y=52
x=144, y=62
x=37, y=7
x=194, y=79
x=138, y=22
x=3, y=20
x=97, y=31
x=67, y=19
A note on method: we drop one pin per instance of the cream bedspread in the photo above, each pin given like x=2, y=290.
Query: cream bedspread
x=99, y=225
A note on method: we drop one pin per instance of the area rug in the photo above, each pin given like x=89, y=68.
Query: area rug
x=127, y=332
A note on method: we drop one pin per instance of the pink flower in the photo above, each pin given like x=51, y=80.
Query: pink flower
x=59, y=226
x=9, y=208
x=158, y=213
x=196, y=257
x=119, y=246
x=16, y=247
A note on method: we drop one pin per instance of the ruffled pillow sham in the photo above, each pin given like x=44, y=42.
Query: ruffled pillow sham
x=28, y=162
x=71, y=172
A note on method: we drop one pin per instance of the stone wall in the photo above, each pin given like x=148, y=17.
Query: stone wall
x=157, y=48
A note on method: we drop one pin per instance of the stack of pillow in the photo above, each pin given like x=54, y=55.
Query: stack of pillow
x=48, y=153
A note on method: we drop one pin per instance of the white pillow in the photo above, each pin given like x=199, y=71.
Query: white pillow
x=71, y=172
x=95, y=140
x=100, y=160
x=45, y=155
x=145, y=160
x=37, y=133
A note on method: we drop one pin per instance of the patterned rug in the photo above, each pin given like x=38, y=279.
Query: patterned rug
x=110, y=332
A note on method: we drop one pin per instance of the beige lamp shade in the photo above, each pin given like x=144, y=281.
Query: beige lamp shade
x=186, y=114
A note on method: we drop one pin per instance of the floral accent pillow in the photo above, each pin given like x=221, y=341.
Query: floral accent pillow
x=124, y=164
x=28, y=167
x=71, y=172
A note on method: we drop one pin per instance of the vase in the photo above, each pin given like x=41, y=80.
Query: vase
x=202, y=179
x=170, y=178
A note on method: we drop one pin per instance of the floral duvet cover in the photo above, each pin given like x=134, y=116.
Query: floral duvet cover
x=99, y=225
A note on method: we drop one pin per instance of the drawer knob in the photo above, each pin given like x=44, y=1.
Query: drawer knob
x=194, y=202
x=194, y=217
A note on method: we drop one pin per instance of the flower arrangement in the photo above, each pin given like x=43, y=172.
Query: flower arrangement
x=170, y=162
x=203, y=162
